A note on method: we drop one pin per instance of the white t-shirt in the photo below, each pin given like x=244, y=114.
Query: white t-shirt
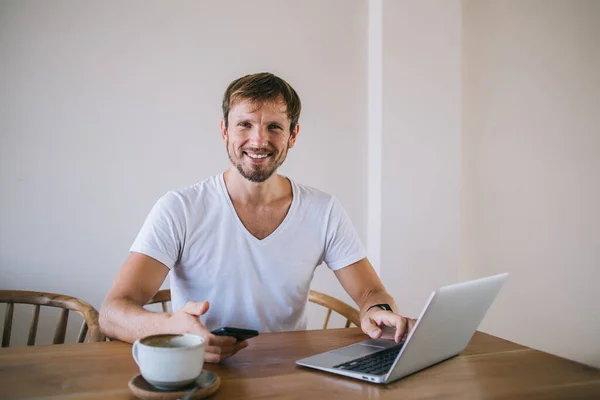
x=250, y=283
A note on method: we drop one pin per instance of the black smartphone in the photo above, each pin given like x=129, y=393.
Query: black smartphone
x=238, y=333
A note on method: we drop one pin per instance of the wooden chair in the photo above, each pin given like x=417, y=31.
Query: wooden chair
x=67, y=303
x=163, y=297
x=330, y=303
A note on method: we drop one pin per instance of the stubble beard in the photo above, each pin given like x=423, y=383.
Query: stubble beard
x=257, y=173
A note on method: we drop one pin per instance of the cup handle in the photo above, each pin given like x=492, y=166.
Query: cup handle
x=134, y=351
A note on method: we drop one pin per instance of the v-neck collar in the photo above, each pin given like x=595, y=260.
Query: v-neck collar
x=239, y=221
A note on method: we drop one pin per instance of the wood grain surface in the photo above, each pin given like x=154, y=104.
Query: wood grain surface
x=489, y=368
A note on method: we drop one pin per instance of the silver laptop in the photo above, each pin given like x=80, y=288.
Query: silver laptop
x=443, y=330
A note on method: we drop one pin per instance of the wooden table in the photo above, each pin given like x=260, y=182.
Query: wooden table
x=488, y=368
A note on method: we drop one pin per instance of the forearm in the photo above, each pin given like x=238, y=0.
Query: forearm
x=125, y=320
x=364, y=286
x=372, y=297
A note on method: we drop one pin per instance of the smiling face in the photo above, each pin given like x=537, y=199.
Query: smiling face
x=257, y=137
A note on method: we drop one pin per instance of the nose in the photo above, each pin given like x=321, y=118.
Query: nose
x=259, y=136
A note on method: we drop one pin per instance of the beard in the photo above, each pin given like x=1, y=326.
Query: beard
x=256, y=173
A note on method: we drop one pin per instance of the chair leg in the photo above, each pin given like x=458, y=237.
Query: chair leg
x=327, y=319
x=61, y=327
x=34, y=326
x=7, y=325
x=82, y=333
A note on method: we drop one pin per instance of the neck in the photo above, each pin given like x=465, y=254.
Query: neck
x=243, y=191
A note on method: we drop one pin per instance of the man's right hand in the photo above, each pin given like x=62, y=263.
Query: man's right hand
x=123, y=316
x=187, y=320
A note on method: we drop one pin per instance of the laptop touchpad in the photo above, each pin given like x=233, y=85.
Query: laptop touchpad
x=357, y=350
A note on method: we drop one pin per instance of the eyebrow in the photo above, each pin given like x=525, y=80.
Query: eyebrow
x=245, y=118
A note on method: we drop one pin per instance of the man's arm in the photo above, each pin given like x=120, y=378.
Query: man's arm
x=123, y=316
x=366, y=289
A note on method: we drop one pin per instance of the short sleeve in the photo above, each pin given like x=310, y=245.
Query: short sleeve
x=343, y=246
x=161, y=236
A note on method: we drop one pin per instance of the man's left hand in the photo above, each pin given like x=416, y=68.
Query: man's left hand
x=375, y=321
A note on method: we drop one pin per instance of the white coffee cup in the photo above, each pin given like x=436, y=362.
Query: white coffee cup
x=170, y=361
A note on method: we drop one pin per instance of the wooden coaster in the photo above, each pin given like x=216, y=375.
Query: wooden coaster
x=143, y=390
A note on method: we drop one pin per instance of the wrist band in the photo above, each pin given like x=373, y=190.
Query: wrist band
x=383, y=306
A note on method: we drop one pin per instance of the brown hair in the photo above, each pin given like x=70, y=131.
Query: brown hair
x=259, y=88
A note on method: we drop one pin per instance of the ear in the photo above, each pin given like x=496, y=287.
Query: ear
x=294, y=135
x=223, y=130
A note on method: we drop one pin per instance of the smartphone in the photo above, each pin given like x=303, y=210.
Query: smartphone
x=238, y=333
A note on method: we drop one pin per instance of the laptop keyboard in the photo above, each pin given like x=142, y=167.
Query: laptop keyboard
x=375, y=364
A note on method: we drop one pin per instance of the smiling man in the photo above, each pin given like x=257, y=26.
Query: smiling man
x=242, y=246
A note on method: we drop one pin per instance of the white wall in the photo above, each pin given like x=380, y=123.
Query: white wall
x=532, y=194
x=421, y=148
x=104, y=106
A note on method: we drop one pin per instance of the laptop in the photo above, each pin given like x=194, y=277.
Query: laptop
x=443, y=330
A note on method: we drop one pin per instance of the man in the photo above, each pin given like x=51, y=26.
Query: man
x=245, y=243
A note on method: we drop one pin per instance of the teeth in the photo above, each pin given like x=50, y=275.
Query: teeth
x=257, y=155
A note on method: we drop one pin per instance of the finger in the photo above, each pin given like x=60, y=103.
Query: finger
x=411, y=324
x=238, y=347
x=371, y=329
x=196, y=308
x=216, y=358
x=241, y=345
x=401, y=330
x=221, y=344
x=389, y=319
x=218, y=350
x=392, y=325
x=394, y=321
x=217, y=340
x=216, y=354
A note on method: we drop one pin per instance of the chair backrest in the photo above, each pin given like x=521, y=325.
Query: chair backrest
x=330, y=303
x=66, y=303
x=163, y=297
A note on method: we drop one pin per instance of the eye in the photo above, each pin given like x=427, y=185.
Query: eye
x=274, y=127
x=244, y=124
